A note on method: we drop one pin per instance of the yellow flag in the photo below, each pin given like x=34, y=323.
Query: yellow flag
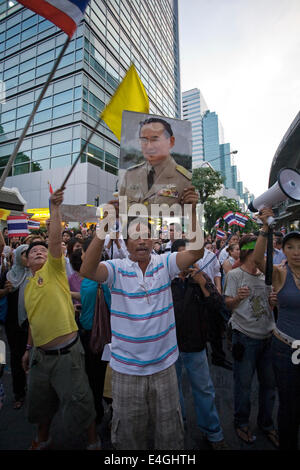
x=4, y=213
x=130, y=96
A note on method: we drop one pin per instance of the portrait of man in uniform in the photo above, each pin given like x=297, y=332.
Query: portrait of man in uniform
x=152, y=173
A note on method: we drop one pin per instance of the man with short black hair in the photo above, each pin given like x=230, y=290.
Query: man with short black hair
x=158, y=179
x=144, y=346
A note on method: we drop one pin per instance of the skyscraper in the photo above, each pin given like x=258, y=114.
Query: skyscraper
x=193, y=109
x=113, y=34
x=208, y=141
x=212, y=139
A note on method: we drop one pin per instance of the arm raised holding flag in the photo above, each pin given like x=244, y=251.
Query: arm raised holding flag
x=66, y=14
x=130, y=96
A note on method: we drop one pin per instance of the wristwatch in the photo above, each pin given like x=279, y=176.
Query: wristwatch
x=263, y=234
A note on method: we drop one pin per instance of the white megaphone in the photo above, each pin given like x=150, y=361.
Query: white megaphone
x=287, y=186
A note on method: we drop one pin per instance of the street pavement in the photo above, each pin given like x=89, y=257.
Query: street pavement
x=16, y=432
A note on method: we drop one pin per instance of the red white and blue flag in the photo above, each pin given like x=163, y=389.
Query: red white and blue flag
x=283, y=230
x=66, y=14
x=17, y=226
x=51, y=192
x=33, y=225
x=220, y=234
x=229, y=218
x=241, y=219
x=217, y=222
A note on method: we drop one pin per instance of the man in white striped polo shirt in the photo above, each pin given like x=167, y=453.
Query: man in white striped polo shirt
x=144, y=345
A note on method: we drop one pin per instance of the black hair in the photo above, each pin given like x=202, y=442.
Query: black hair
x=218, y=243
x=243, y=241
x=75, y=260
x=33, y=244
x=177, y=244
x=86, y=244
x=71, y=243
x=167, y=127
x=142, y=221
x=288, y=236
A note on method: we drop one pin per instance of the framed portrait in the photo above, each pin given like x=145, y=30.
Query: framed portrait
x=155, y=158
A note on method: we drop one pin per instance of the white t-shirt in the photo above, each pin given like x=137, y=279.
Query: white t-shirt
x=211, y=264
x=114, y=252
x=223, y=255
x=253, y=316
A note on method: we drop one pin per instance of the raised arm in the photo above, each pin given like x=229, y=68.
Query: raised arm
x=55, y=238
x=187, y=258
x=91, y=268
x=2, y=241
x=261, y=245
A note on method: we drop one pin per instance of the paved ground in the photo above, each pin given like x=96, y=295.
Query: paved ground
x=16, y=433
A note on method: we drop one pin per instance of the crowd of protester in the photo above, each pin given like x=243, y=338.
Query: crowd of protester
x=57, y=287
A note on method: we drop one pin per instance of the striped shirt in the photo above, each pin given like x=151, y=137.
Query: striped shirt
x=142, y=315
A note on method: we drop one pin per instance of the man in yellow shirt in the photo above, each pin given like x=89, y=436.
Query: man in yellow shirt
x=56, y=372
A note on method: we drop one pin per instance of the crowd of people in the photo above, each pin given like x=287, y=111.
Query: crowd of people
x=90, y=319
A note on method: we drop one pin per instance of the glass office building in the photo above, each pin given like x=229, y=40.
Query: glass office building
x=113, y=34
x=212, y=139
x=193, y=109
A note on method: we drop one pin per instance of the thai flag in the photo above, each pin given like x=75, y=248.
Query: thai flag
x=66, y=14
x=33, y=225
x=220, y=234
x=283, y=230
x=241, y=219
x=51, y=192
x=217, y=222
x=229, y=218
x=17, y=226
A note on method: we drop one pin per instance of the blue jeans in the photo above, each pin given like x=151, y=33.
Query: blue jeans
x=287, y=377
x=256, y=357
x=197, y=369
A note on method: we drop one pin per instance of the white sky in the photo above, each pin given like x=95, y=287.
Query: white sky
x=244, y=56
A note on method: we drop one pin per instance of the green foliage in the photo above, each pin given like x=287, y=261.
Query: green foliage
x=217, y=207
x=251, y=226
x=207, y=181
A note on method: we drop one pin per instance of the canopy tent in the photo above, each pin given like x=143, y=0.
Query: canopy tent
x=11, y=199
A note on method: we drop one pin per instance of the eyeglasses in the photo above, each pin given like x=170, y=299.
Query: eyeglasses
x=145, y=140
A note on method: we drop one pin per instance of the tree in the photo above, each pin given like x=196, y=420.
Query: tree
x=207, y=181
x=217, y=207
x=251, y=226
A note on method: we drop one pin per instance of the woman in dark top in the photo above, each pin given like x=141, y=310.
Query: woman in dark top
x=286, y=358
x=16, y=315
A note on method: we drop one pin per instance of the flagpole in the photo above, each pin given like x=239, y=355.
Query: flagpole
x=81, y=152
x=21, y=138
